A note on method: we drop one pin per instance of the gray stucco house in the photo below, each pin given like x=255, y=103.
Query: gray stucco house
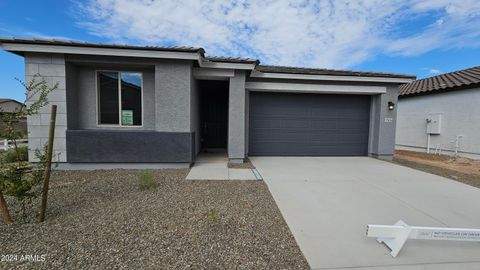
x=140, y=106
x=441, y=114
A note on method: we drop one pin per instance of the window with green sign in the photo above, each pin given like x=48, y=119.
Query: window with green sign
x=119, y=98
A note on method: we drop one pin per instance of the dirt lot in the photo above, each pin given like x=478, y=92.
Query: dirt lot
x=461, y=169
x=102, y=220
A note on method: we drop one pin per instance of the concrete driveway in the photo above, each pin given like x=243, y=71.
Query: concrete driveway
x=327, y=203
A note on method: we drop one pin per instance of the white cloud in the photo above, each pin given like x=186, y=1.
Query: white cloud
x=12, y=31
x=434, y=71
x=305, y=33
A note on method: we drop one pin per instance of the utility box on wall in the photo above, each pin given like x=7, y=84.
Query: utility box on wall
x=434, y=123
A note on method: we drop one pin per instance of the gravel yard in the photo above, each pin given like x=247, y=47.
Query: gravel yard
x=102, y=220
x=460, y=169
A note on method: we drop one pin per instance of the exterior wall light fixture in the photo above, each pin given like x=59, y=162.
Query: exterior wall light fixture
x=391, y=106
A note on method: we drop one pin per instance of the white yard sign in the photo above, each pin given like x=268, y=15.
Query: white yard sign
x=395, y=236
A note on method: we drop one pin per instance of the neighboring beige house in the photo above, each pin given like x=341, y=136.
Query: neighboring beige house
x=441, y=114
x=9, y=105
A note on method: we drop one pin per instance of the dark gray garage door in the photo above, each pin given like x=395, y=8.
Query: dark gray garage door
x=286, y=124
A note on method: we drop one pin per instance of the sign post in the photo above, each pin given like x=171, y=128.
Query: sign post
x=395, y=236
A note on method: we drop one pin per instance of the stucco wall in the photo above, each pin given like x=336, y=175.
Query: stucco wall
x=236, y=117
x=52, y=68
x=383, y=124
x=195, y=113
x=173, y=96
x=460, y=116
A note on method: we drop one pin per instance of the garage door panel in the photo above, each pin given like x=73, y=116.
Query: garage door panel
x=267, y=123
x=284, y=136
x=308, y=124
x=280, y=110
x=326, y=137
x=351, y=125
x=306, y=149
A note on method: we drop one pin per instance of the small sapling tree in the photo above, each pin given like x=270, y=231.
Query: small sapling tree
x=18, y=178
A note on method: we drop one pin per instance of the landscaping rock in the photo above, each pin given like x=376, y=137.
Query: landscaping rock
x=103, y=220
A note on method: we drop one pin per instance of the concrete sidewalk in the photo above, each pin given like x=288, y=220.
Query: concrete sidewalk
x=214, y=167
x=327, y=203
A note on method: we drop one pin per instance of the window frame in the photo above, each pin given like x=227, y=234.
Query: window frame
x=97, y=97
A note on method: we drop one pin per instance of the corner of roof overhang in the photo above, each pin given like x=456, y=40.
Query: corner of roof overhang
x=203, y=62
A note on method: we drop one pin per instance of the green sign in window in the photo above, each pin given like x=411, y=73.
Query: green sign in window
x=127, y=117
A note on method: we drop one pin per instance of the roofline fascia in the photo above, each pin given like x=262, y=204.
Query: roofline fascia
x=125, y=52
x=65, y=49
x=314, y=88
x=272, y=75
x=212, y=73
x=202, y=62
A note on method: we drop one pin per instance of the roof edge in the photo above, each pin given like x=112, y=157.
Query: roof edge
x=439, y=91
x=75, y=43
x=333, y=72
x=3, y=100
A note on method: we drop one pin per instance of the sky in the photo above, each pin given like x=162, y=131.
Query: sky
x=419, y=37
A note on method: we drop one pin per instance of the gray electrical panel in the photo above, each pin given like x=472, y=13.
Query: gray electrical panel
x=434, y=123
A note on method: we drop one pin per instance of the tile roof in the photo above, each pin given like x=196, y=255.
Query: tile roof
x=201, y=51
x=456, y=80
x=99, y=45
x=322, y=71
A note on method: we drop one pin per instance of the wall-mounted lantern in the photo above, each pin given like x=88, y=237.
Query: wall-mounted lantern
x=391, y=106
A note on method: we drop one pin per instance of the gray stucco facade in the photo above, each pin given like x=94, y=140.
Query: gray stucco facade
x=52, y=68
x=383, y=124
x=459, y=128
x=172, y=122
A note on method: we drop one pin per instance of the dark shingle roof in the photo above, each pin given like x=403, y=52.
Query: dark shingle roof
x=456, y=80
x=335, y=72
x=99, y=45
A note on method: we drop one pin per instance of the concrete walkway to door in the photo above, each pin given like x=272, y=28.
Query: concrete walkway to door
x=213, y=166
x=327, y=203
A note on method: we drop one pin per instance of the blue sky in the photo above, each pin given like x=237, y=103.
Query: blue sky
x=410, y=36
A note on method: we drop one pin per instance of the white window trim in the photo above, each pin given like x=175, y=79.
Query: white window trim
x=97, y=98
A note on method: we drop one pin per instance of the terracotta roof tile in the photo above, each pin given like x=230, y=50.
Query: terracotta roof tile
x=444, y=82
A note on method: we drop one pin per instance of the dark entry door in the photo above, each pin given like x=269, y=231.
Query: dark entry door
x=287, y=124
x=214, y=114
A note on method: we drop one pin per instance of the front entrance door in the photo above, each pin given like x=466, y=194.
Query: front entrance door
x=214, y=115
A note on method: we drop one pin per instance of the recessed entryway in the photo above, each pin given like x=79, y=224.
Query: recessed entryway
x=213, y=116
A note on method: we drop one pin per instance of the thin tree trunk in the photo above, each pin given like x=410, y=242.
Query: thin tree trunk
x=4, y=210
x=48, y=166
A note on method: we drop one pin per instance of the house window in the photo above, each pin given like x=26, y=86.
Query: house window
x=119, y=98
